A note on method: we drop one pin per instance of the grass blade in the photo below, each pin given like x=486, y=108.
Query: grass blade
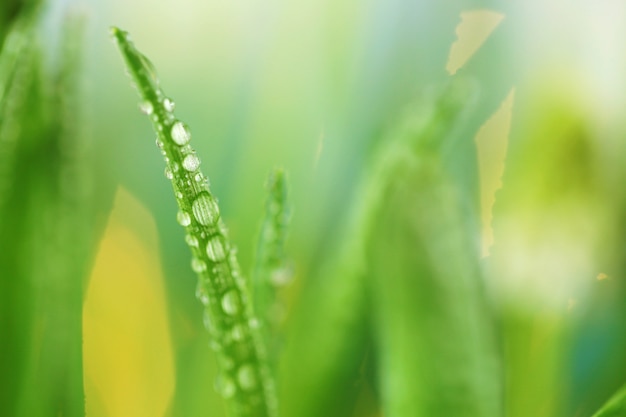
x=615, y=407
x=44, y=233
x=435, y=342
x=245, y=380
x=271, y=267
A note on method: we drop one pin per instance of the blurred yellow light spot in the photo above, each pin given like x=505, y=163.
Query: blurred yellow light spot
x=602, y=276
x=127, y=354
x=491, y=142
x=472, y=32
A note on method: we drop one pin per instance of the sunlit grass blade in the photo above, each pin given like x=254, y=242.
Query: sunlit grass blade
x=272, y=269
x=434, y=338
x=245, y=381
x=615, y=407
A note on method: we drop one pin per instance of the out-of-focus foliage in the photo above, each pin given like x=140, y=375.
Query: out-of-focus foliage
x=534, y=174
x=45, y=216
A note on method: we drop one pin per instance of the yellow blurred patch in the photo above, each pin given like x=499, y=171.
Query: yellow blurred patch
x=491, y=143
x=127, y=354
x=472, y=32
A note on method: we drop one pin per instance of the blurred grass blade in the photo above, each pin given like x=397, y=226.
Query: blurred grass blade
x=325, y=377
x=17, y=78
x=434, y=337
x=12, y=11
x=271, y=269
x=615, y=407
x=44, y=233
x=17, y=62
x=326, y=343
x=245, y=381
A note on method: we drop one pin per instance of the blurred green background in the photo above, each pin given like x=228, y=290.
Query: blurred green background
x=313, y=86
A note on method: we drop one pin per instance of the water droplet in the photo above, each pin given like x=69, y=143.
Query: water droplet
x=227, y=362
x=149, y=67
x=281, y=276
x=230, y=302
x=198, y=265
x=180, y=133
x=202, y=295
x=254, y=323
x=179, y=195
x=168, y=173
x=159, y=143
x=225, y=386
x=183, y=218
x=208, y=324
x=237, y=332
x=205, y=209
x=191, y=162
x=198, y=177
x=169, y=105
x=146, y=107
x=215, y=249
x=191, y=240
x=175, y=167
x=246, y=377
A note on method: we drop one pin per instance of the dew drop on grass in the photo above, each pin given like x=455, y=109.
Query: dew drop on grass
x=183, y=218
x=168, y=173
x=215, y=249
x=149, y=67
x=246, y=377
x=230, y=302
x=215, y=346
x=227, y=362
x=191, y=162
x=146, y=107
x=237, y=332
x=225, y=386
x=205, y=210
x=191, y=240
x=208, y=324
x=198, y=265
x=281, y=276
x=180, y=133
x=169, y=105
x=202, y=295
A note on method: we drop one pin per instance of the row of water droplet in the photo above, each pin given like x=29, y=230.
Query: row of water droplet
x=220, y=286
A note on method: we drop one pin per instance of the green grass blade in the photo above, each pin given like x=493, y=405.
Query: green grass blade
x=43, y=228
x=18, y=72
x=324, y=378
x=615, y=407
x=17, y=63
x=434, y=338
x=271, y=265
x=245, y=380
